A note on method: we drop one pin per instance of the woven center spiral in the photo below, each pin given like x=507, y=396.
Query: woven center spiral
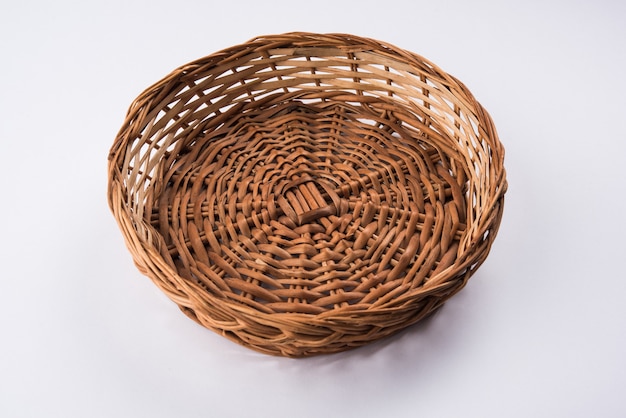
x=318, y=207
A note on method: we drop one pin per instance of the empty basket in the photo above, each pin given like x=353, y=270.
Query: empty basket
x=306, y=193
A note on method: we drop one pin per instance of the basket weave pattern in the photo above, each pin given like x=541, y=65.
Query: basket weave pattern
x=304, y=193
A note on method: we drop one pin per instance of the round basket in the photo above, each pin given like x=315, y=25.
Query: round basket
x=304, y=193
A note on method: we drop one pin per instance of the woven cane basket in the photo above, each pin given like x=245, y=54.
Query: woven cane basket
x=304, y=193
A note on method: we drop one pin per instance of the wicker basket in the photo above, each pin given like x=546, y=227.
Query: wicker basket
x=305, y=193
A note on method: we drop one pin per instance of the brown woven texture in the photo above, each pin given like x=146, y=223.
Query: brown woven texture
x=306, y=193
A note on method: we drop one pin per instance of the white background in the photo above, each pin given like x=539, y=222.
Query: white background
x=540, y=330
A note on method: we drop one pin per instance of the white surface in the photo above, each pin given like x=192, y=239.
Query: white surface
x=539, y=331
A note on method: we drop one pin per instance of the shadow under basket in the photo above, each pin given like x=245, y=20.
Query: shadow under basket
x=304, y=193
